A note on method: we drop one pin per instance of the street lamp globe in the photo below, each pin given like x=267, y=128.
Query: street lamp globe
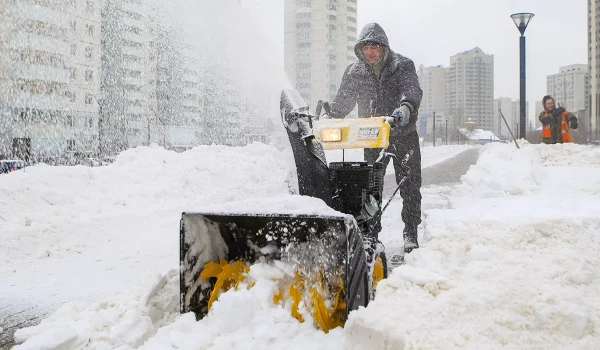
x=521, y=20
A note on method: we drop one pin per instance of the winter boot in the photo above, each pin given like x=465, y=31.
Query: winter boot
x=410, y=239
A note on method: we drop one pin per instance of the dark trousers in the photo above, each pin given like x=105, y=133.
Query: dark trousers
x=411, y=189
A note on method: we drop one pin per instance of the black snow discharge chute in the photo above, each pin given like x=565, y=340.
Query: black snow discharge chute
x=311, y=165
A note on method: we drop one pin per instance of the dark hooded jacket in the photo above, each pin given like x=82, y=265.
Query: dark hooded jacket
x=396, y=85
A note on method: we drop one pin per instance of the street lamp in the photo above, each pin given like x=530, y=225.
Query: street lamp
x=521, y=21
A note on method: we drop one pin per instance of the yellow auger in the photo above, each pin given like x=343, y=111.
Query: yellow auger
x=232, y=275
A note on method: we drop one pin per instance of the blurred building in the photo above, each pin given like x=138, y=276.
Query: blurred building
x=470, y=89
x=319, y=44
x=569, y=87
x=128, y=76
x=432, y=81
x=49, y=79
x=538, y=108
x=592, y=122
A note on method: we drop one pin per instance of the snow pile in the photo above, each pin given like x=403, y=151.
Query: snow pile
x=511, y=263
x=61, y=211
x=244, y=318
x=503, y=263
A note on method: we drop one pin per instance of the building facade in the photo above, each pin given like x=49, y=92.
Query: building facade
x=432, y=81
x=128, y=76
x=319, y=44
x=592, y=123
x=49, y=79
x=470, y=89
x=569, y=87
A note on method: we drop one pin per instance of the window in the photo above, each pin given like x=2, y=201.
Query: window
x=73, y=25
x=89, y=29
x=89, y=52
x=89, y=99
x=89, y=75
x=73, y=49
x=90, y=6
x=70, y=145
x=71, y=95
x=73, y=73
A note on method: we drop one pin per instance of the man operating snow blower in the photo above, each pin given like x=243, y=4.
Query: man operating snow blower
x=383, y=82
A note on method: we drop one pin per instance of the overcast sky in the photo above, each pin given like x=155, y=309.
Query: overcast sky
x=430, y=31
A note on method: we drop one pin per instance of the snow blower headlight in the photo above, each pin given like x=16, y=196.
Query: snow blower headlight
x=331, y=135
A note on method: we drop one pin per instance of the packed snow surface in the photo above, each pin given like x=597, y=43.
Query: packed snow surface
x=508, y=258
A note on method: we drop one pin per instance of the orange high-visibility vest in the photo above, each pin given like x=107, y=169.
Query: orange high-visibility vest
x=565, y=129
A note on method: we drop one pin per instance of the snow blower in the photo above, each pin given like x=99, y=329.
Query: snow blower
x=334, y=262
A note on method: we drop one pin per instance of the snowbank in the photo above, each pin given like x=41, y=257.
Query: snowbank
x=511, y=262
x=509, y=258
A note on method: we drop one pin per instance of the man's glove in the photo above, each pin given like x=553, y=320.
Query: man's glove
x=574, y=123
x=401, y=115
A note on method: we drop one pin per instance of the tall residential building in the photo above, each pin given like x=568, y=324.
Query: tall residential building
x=569, y=87
x=432, y=81
x=517, y=117
x=504, y=104
x=470, y=89
x=127, y=75
x=49, y=78
x=538, y=109
x=512, y=114
x=592, y=124
x=319, y=44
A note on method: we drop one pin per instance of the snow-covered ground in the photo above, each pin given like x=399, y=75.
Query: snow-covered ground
x=508, y=258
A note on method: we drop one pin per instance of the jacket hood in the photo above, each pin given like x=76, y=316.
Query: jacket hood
x=372, y=33
x=546, y=98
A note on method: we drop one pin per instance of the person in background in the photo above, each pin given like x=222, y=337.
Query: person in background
x=556, y=123
x=384, y=83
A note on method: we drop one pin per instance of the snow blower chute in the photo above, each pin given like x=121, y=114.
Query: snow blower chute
x=333, y=262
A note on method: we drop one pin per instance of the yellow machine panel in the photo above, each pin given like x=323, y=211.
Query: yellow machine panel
x=352, y=133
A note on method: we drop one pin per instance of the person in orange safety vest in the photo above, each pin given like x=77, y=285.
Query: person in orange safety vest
x=556, y=123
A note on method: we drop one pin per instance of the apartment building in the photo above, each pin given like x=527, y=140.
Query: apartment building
x=128, y=80
x=49, y=79
x=470, y=89
x=432, y=81
x=592, y=122
x=319, y=44
x=569, y=87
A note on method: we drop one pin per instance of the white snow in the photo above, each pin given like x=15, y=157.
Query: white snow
x=508, y=258
x=478, y=134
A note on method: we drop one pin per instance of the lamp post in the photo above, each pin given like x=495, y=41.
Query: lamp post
x=521, y=21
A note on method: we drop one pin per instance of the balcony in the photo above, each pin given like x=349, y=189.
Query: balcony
x=21, y=99
x=37, y=72
x=142, y=53
x=133, y=8
x=39, y=43
x=138, y=38
x=134, y=81
x=42, y=14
